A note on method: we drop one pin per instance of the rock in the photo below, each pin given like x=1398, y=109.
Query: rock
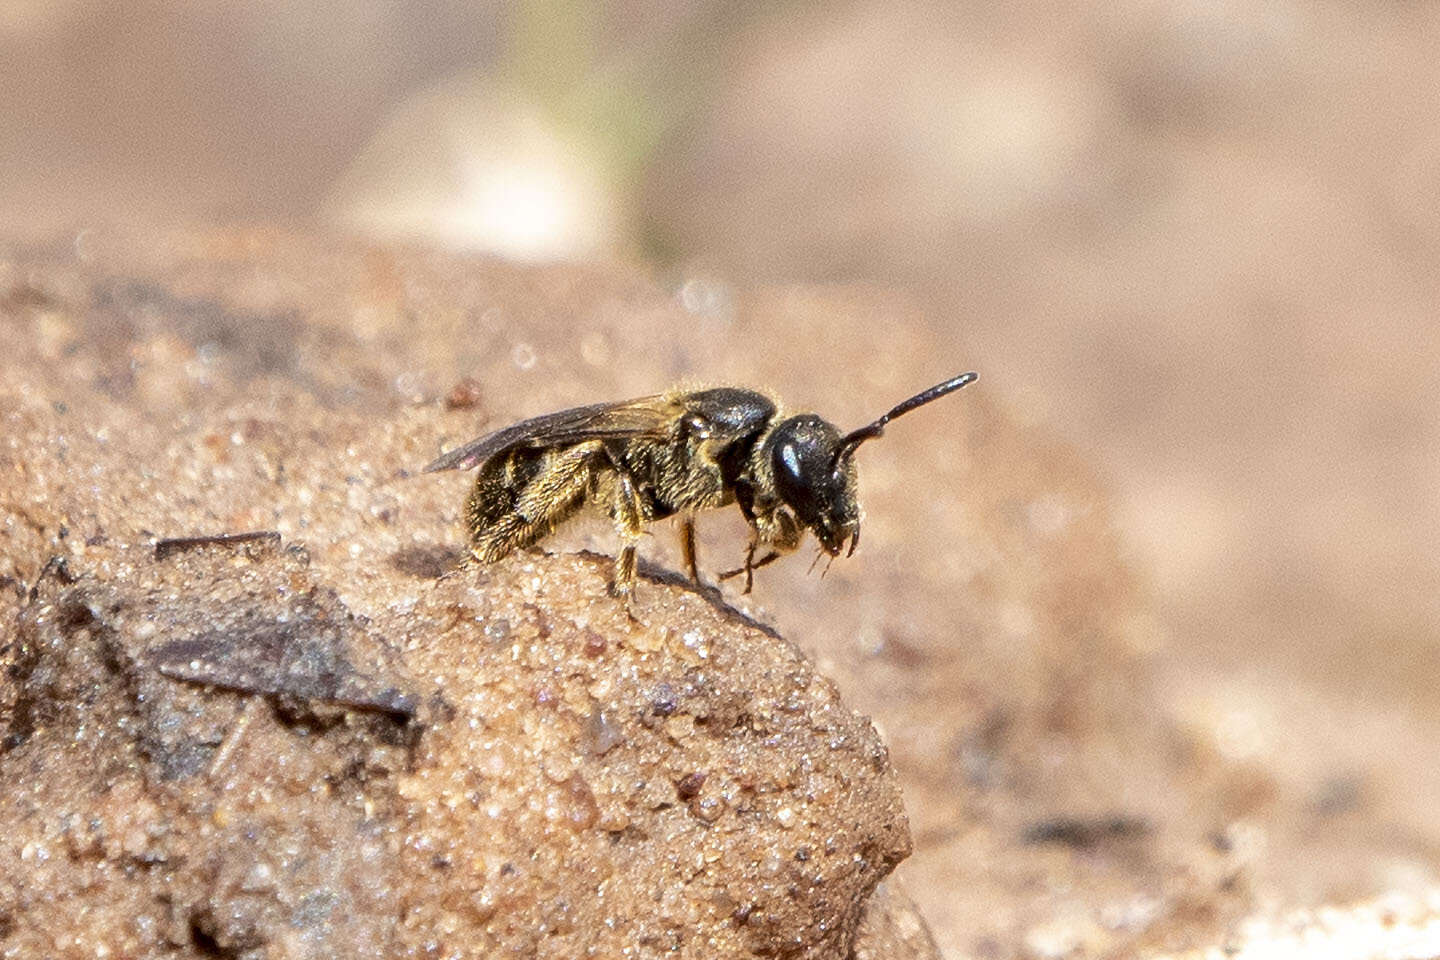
x=893, y=927
x=319, y=738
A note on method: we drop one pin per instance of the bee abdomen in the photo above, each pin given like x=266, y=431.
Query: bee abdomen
x=522, y=496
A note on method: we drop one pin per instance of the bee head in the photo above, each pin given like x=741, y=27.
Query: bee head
x=814, y=477
x=814, y=467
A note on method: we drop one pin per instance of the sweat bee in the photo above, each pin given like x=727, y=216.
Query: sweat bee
x=672, y=454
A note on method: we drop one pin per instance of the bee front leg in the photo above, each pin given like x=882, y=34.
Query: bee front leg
x=779, y=531
x=751, y=565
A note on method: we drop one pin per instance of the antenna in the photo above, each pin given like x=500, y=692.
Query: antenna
x=851, y=440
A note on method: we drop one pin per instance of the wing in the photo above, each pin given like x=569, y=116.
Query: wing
x=642, y=417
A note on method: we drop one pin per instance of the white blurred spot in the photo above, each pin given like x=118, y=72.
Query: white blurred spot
x=1240, y=733
x=82, y=245
x=523, y=356
x=475, y=167
x=595, y=349
x=708, y=297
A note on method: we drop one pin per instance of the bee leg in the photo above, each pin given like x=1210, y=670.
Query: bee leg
x=623, y=586
x=729, y=574
x=687, y=549
x=749, y=579
x=500, y=525
x=630, y=524
x=751, y=565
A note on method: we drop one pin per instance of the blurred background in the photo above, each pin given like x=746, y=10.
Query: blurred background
x=1196, y=238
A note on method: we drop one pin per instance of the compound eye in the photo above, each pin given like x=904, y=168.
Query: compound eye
x=789, y=470
x=802, y=474
x=787, y=463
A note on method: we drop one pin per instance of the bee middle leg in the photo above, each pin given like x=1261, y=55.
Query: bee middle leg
x=629, y=517
x=687, y=548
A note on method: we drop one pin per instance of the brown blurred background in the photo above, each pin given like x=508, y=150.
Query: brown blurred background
x=1197, y=239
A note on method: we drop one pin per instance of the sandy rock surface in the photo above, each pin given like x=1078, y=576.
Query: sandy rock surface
x=323, y=741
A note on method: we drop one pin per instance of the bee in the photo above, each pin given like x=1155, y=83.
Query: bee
x=672, y=454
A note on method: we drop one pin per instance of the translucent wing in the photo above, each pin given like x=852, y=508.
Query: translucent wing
x=642, y=417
